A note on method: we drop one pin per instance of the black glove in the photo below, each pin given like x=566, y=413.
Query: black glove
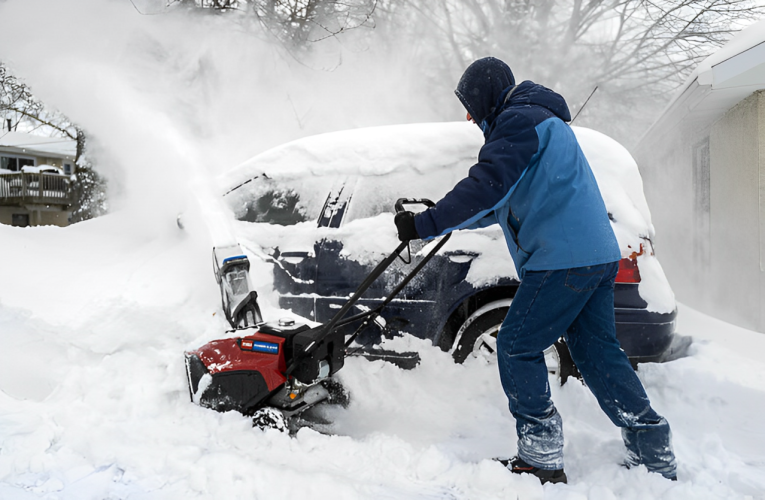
x=405, y=225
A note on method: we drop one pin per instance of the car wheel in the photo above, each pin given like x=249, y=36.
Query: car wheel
x=478, y=337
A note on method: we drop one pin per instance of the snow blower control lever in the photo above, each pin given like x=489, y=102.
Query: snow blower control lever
x=283, y=366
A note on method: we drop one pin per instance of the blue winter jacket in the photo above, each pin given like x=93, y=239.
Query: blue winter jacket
x=533, y=179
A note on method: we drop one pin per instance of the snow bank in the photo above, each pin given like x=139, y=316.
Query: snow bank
x=94, y=402
x=94, y=318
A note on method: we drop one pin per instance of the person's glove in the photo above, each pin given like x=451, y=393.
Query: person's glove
x=405, y=225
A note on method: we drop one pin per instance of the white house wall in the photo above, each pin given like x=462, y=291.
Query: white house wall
x=704, y=185
x=737, y=214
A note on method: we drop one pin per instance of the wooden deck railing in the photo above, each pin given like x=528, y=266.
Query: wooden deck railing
x=49, y=189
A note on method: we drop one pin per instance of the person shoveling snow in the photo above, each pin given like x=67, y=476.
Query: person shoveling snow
x=534, y=181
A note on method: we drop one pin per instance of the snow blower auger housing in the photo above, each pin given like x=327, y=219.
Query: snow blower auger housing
x=241, y=373
x=284, y=365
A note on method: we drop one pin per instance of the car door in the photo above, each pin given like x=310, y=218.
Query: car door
x=337, y=275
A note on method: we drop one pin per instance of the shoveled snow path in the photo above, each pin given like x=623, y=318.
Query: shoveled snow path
x=94, y=402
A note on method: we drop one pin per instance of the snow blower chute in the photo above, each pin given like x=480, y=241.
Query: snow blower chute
x=240, y=304
x=280, y=369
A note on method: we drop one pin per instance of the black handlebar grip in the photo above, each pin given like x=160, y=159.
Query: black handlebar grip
x=412, y=201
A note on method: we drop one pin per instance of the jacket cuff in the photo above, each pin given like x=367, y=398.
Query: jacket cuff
x=425, y=226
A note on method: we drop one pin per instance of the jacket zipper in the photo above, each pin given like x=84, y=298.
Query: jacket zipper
x=515, y=235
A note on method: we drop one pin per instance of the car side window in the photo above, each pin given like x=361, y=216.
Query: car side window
x=262, y=199
x=284, y=202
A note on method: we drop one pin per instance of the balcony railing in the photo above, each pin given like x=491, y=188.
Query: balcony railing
x=38, y=188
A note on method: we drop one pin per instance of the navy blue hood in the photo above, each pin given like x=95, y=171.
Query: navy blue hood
x=530, y=93
x=481, y=86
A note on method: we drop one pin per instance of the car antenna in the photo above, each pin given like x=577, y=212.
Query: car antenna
x=583, y=105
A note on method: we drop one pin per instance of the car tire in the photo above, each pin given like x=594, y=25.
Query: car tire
x=477, y=336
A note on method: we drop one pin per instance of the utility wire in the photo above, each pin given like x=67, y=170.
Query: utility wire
x=583, y=105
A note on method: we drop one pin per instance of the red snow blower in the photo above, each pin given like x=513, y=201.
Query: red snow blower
x=277, y=370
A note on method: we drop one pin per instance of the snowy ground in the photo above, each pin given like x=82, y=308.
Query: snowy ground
x=94, y=318
x=94, y=402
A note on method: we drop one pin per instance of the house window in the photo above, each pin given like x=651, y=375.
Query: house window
x=20, y=220
x=14, y=163
x=67, y=168
x=701, y=202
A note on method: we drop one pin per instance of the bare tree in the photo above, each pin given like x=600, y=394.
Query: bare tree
x=636, y=51
x=298, y=22
x=19, y=106
x=89, y=187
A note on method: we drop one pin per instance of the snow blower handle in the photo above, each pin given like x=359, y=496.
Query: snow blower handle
x=411, y=201
x=324, y=330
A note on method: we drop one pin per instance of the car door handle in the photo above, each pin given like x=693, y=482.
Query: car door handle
x=293, y=257
x=461, y=257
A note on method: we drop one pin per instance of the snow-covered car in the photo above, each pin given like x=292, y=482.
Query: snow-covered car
x=320, y=209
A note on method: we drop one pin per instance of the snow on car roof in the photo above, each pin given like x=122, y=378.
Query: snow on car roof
x=366, y=152
x=619, y=181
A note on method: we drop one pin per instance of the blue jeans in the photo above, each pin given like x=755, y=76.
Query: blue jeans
x=577, y=304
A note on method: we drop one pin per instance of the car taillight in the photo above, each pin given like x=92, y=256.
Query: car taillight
x=628, y=271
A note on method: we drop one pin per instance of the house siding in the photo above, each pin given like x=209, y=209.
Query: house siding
x=736, y=214
x=706, y=189
x=38, y=216
x=672, y=166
